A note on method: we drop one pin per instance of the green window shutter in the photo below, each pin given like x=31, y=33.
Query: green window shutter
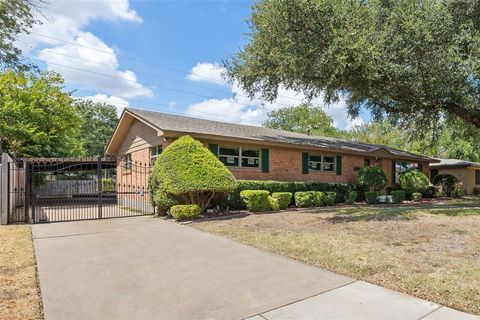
x=213, y=148
x=305, y=157
x=393, y=172
x=265, y=160
x=339, y=165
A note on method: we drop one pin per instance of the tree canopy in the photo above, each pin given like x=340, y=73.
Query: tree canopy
x=37, y=117
x=416, y=61
x=99, y=121
x=16, y=16
x=304, y=118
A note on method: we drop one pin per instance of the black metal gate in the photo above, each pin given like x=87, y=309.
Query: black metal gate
x=68, y=189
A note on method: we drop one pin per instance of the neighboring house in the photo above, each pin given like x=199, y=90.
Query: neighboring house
x=252, y=152
x=468, y=173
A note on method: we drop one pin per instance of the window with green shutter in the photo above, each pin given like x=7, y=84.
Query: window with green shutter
x=265, y=160
x=213, y=148
x=305, y=158
x=339, y=165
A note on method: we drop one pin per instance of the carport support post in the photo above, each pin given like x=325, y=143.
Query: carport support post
x=100, y=186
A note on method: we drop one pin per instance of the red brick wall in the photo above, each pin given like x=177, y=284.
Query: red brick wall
x=285, y=165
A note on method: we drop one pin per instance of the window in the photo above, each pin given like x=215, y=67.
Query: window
x=477, y=177
x=325, y=163
x=404, y=166
x=239, y=157
x=154, y=153
x=366, y=162
x=127, y=159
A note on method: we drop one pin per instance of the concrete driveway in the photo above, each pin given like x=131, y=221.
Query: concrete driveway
x=146, y=268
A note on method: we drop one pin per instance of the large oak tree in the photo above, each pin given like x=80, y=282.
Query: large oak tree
x=417, y=61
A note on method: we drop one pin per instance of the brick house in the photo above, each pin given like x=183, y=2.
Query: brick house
x=252, y=152
x=467, y=173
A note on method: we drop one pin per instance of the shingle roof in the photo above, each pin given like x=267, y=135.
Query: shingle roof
x=454, y=163
x=184, y=124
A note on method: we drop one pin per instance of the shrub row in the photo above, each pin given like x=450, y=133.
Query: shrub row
x=235, y=202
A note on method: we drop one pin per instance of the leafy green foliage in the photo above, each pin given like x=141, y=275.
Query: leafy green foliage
x=446, y=182
x=273, y=203
x=416, y=196
x=415, y=60
x=320, y=198
x=329, y=199
x=372, y=177
x=351, y=197
x=235, y=202
x=304, y=199
x=108, y=184
x=185, y=211
x=99, y=122
x=256, y=200
x=284, y=198
x=16, y=16
x=371, y=197
x=37, y=118
x=188, y=171
x=305, y=118
x=413, y=181
x=398, y=196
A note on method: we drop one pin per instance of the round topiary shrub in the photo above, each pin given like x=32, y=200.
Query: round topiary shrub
x=413, y=181
x=256, y=200
x=189, y=173
x=185, y=211
x=372, y=178
x=284, y=199
x=416, y=196
x=351, y=197
x=398, y=196
x=446, y=182
x=371, y=197
x=304, y=199
x=329, y=199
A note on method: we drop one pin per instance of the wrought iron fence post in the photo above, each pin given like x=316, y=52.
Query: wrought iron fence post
x=100, y=187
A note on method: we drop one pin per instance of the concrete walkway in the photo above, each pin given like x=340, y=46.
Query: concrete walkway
x=146, y=268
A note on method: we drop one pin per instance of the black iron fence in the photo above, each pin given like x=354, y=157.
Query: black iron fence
x=50, y=190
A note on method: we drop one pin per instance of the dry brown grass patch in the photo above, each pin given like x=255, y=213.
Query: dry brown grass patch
x=432, y=253
x=19, y=294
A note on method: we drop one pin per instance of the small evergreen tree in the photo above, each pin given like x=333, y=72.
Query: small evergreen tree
x=189, y=172
x=413, y=181
x=372, y=177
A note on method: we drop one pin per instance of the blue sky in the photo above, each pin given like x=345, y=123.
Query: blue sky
x=157, y=55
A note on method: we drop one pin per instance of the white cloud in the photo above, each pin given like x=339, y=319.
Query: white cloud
x=118, y=102
x=82, y=57
x=101, y=67
x=243, y=109
x=209, y=72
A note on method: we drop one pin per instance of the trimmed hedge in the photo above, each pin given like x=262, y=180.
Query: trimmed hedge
x=305, y=199
x=284, y=199
x=413, y=181
x=273, y=203
x=351, y=197
x=185, y=211
x=399, y=196
x=189, y=172
x=416, y=196
x=319, y=198
x=446, y=182
x=256, y=200
x=235, y=202
x=329, y=199
x=372, y=178
x=372, y=197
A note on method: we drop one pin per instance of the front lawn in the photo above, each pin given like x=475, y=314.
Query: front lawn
x=432, y=252
x=19, y=294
